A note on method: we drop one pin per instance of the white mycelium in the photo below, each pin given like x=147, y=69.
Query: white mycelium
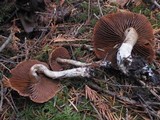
x=124, y=57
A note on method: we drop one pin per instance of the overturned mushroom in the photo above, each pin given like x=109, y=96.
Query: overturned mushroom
x=59, y=52
x=34, y=79
x=60, y=57
x=115, y=35
x=40, y=88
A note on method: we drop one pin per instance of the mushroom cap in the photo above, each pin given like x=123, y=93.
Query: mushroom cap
x=59, y=52
x=40, y=90
x=109, y=34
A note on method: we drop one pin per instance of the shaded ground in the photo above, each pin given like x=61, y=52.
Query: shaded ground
x=37, y=31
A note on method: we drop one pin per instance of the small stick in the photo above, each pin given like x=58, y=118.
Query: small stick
x=100, y=9
x=100, y=117
x=89, y=9
x=2, y=95
x=149, y=109
x=12, y=106
x=113, y=94
x=151, y=90
x=127, y=116
x=5, y=67
x=6, y=42
x=96, y=16
x=73, y=105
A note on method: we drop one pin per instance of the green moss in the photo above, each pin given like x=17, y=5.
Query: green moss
x=29, y=112
x=84, y=5
x=78, y=52
x=95, y=10
x=93, y=22
x=155, y=20
x=143, y=10
x=67, y=114
x=58, y=108
x=43, y=55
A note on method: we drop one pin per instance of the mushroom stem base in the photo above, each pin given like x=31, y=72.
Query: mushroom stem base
x=124, y=57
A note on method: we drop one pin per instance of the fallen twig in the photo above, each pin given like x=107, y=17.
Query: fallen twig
x=73, y=105
x=1, y=101
x=128, y=101
x=151, y=90
x=6, y=42
x=100, y=117
x=149, y=110
x=100, y=9
x=125, y=99
x=11, y=104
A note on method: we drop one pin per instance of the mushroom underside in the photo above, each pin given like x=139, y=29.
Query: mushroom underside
x=39, y=90
x=109, y=33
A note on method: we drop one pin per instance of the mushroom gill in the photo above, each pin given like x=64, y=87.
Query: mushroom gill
x=39, y=89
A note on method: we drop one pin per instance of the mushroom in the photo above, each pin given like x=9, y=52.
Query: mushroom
x=34, y=79
x=119, y=36
x=61, y=53
x=40, y=88
x=59, y=57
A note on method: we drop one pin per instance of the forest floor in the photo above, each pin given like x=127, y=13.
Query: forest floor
x=37, y=30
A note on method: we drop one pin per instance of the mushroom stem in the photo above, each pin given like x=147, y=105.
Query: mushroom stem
x=75, y=72
x=156, y=3
x=124, y=57
x=101, y=63
x=73, y=62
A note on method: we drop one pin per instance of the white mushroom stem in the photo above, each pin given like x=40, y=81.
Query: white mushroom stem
x=101, y=63
x=124, y=57
x=156, y=3
x=75, y=72
x=72, y=62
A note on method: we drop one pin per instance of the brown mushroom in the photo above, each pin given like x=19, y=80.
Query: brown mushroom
x=109, y=33
x=40, y=89
x=59, y=52
x=33, y=78
x=60, y=59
